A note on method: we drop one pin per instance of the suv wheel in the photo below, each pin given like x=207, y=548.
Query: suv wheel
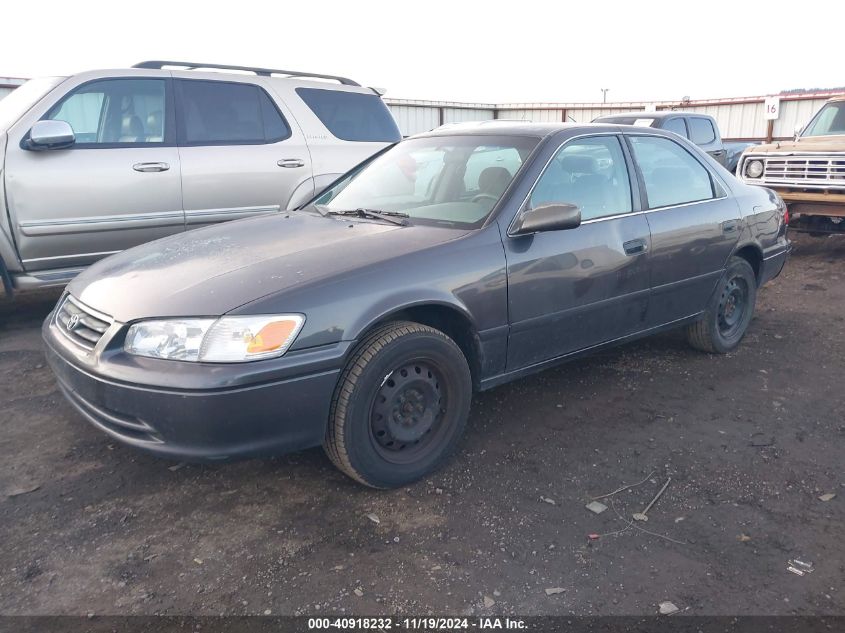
x=729, y=312
x=400, y=406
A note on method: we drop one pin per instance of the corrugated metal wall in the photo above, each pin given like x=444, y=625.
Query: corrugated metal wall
x=459, y=115
x=528, y=114
x=737, y=118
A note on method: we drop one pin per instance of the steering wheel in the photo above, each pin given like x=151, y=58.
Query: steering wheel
x=480, y=196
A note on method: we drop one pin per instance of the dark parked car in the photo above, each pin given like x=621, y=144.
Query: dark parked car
x=701, y=129
x=454, y=261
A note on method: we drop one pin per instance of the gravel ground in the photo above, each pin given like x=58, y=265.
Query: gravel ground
x=750, y=441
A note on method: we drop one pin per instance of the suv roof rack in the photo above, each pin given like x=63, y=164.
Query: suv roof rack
x=265, y=72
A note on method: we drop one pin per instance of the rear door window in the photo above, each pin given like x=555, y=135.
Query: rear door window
x=701, y=130
x=114, y=112
x=672, y=176
x=352, y=116
x=677, y=126
x=227, y=113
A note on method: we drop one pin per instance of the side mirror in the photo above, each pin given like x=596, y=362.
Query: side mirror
x=548, y=217
x=50, y=135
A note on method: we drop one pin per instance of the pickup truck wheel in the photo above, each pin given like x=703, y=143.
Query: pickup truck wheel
x=400, y=406
x=729, y=312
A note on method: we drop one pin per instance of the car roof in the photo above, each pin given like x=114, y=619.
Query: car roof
x=641, y=114
x=504, y=127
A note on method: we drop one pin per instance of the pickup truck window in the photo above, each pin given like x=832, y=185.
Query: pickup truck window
x=701, y=130
x=830, y=120
x=677, y=126
x=672, y=176
x=590, y=173
x=114, y=111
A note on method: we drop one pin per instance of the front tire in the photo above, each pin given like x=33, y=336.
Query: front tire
x=400, y=406
x=729, y=312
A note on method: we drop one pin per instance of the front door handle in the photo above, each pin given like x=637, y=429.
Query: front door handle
x=291, y=162
x=148, y=167
x=635, y=247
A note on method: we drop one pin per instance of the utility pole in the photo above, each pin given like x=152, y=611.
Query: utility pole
x=604, y=94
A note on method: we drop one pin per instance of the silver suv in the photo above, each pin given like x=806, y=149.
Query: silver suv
x=101, y=161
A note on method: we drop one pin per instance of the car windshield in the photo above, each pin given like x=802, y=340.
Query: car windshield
x=829, y=121
x=452, y=180
x=22, y=99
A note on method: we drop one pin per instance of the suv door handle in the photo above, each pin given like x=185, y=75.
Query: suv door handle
x=291, y=162
x=635, y=247
x=147, y=167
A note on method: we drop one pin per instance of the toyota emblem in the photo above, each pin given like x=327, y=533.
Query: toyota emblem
x=72, y=322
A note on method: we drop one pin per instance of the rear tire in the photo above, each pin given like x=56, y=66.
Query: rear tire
x=400, y=406
x=729, y=312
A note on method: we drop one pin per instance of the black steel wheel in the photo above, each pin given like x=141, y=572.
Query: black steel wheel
x=407, y=411
x=732, y=306
x=729, y=311
x=400, y=406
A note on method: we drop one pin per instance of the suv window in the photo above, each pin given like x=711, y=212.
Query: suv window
x=352, y=116
x=114, y=111
x=227, y=113
x=701, y=130
x=677, y=126
x=589, y=172
x=672, y=176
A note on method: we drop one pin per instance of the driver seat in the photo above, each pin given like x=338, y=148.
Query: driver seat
x=493, y=181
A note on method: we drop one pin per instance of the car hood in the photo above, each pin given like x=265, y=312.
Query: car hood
x=211, y=271
x=835, y=143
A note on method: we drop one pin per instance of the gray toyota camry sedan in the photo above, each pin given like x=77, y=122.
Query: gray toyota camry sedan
x=452, y=262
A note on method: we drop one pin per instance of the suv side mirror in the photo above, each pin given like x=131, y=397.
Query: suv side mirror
x=50, y=135
x=548, y=217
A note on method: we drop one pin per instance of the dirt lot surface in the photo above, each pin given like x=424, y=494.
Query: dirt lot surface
x=750, y=440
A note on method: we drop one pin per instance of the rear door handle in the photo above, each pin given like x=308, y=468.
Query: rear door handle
x=291, y=162
x=635, y=247
x=147, y=167
x=729, y=226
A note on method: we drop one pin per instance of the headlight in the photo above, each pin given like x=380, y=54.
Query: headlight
x=224, y=340
x=754, y=168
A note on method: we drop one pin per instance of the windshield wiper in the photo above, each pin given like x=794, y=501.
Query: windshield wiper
x=388, y=216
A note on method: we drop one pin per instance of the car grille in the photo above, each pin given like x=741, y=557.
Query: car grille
x=810, y=170
x=81, y=324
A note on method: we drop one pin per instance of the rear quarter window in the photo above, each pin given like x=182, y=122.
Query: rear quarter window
x=352, y=116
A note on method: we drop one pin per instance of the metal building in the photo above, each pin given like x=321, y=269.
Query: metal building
x=739, y=118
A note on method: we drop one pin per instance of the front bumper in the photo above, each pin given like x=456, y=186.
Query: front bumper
x=195, y=411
